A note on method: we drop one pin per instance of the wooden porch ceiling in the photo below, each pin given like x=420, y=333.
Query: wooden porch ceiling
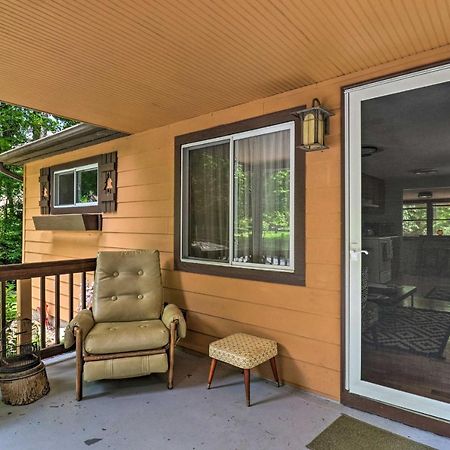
x=134, y=65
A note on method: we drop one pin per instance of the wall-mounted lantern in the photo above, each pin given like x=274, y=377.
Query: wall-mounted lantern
x=314, y=124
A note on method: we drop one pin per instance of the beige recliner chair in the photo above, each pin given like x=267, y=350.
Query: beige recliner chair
x=128, y=333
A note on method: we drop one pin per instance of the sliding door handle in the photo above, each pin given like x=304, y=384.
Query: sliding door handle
x=354, y=254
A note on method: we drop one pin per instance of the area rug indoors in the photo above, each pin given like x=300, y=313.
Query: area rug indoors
x=418, y=331
x=347, y=433
x=439, y=293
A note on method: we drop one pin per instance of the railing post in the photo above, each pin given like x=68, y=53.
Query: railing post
x=22, y=275
x=3, y=317
x=43, y=313
x=24, y=311
x=70, y=296
x=57, y=308
x=83, y=290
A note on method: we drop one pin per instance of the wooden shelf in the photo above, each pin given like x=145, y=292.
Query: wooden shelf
x=68, y=222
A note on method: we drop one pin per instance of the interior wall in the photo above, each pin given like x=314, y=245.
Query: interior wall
x=304, y=320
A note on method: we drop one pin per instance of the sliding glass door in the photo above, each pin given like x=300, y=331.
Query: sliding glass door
x=398, y=241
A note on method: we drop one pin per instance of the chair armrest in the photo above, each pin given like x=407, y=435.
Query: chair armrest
x=84, y=321
x=171, y=314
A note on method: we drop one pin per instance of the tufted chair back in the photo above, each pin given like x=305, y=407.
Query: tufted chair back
x=127, y=286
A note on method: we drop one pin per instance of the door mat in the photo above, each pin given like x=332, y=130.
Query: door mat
x=418, y=331
x=439, y=293
x=347, y=433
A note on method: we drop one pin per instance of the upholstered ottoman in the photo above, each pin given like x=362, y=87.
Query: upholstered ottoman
x=246, y=352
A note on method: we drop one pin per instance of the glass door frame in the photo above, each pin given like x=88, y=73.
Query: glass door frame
x=353, y=97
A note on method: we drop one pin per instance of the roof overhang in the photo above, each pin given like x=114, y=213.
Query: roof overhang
x=72, y=138
x=132, y=66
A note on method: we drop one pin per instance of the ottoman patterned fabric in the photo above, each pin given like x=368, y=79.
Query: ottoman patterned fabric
x=243, y=350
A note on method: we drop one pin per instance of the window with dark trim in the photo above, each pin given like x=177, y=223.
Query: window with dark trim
x=240, y=200
x=77, y=186
x=426, y=218
x=83, y=186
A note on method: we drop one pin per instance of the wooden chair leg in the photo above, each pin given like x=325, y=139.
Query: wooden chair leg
x=173, y=329
x=273, y=364
x=212, y=368
x=247, y=385
x=79, y=364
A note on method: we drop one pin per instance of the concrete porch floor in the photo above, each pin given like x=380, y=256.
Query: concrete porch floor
x=141, y=413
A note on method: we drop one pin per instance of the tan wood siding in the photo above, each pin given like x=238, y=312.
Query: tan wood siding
x=305, y=320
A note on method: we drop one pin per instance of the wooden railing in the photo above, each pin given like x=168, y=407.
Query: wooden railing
x=23, y=274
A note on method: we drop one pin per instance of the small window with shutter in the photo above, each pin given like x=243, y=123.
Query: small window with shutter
x=83, y=186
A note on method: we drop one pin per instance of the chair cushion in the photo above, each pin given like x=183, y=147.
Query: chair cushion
x=118, y=337
x=127, y=286
x=135, y=366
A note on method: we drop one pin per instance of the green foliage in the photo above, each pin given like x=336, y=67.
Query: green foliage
x=11, y=303
x=417, y=216
x=17, y=126
x=12, y=336
x=274, y=203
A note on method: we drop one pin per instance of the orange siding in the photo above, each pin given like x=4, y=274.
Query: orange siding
x=304, y=320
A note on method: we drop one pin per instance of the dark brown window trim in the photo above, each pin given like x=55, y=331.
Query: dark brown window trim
x=298, y=276
x=353, y=400
x=71, y=165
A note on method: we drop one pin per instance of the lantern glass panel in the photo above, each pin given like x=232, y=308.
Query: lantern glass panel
x=308, y=129
x=320, y=129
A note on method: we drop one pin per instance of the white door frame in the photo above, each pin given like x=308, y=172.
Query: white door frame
x=353, y=98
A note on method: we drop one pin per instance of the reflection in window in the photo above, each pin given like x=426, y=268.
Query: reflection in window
x=76, y=187
x=209, y=170
x=87, y=186
x=249, y=223
x=262, y=194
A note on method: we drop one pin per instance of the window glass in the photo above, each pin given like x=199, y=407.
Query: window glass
x=441, y=219
x=87, y=186
x=64, y=189
x=262, y=199
x=414, y=211
x=208, y=203
x=247, y=224
x=76, y=187
x=414, y=219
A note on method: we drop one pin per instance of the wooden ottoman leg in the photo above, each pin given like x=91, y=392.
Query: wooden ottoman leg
x=273, y=363
x=247, y=385
x=212, y=368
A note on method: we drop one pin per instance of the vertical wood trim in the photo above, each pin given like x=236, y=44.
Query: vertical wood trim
x=108, y=182
x=83, y=290
x=44, y=180
x=43, y=313
x=3, y=316
x=24, y=310
x=70, y=296
x=57, y=308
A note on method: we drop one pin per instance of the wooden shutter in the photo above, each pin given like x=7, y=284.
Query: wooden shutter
x=44, y=180
x=108, y=182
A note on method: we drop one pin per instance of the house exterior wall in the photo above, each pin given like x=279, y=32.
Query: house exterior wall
x=304, y=320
